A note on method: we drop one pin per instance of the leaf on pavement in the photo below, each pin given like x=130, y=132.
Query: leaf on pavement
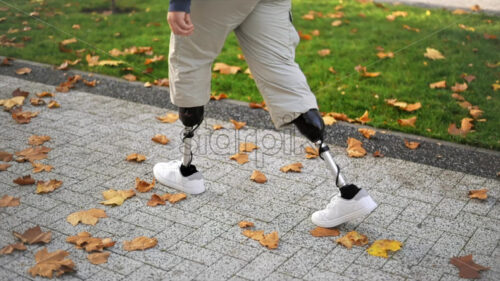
x=25, y=180
x=378, y=154
x=241, y=158
x=23, y=71
x=98, y=258
x=37, y=101
x=238, y=125
x=245, y=224
x=48, y=263
x=412, y=144
x=379, y=248
x=39, y=167
x=408, y=122
x=8, y=104
x=139, y=243
x=161, y=139
x=468, y=268
x=9, y=249
x=84, y=240
x=135, y=157
x=438, y=85
x=9, y=201
x=34, y=235
x=49, y=186
x=433, y=54
x=355, y=148
x=364, y=118
x=168, y=117
x=53, y=104
x=4, y=167
x=247, y=147
x=217, y=127
x=367, y=133
x=295, y=167
x=33, y=153
x=352, y=238
x=173, y=197
x=130, y=77
x=90, y=216
x=5, y=156
x=226, y=69
x=143, y=186
x=258, y=177
x=329, y=120
x=38, y=140
x=311, y=152
x=155, y=200
x=116, y=197
x=324, y=232
x=270, y=240
x=45, y=94
x=478, y=194
x=23, y=117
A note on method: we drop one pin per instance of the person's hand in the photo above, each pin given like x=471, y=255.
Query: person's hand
x=180, y=23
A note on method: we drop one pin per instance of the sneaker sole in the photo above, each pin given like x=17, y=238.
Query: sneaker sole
x=354, y=215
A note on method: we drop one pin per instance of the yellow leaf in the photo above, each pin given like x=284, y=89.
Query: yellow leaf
x=139, y=243
x=116, y=197
x=241, y=158
x=352, y=238
x=433, y=54
x=258, y=177
x=379, y=248
x=86, y=217
x=355, y=148
x=367, y=133
x=364, y=118
x=247, y=147
x=46, y=187
x=438, y=85
x=478, y=194
x=295, y=167
x=226, y=69
x=408, y=122
x=329, y=120
x=238, y=125
x=168, y=118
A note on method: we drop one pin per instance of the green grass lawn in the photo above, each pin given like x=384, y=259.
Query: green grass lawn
x=406, y=76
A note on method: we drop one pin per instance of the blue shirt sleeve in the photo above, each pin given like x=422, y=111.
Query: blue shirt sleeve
x=179, y=6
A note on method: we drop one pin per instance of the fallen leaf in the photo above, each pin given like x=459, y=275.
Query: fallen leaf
x=438, y=85
x=396, y=14
x=34, y=235
x=47, y=263
x=495, y=86
x=304, y=36
x=130, y=77
x=311, y=152
x=241, y=158
x=478, y=194
x=457, y=97
x=8, y=104
x=336, y=23
x=475, y=8
x=382, y=55
x=98, y=258
x=466, y=126
x=46, y=187
x=467, y=267
x=23, y=117
x=24, y=180
x=355, y=148
x=45, y=94
x=367, y=133
x=257, y=105
x=9, y=201
x=18, y=93
x=378, y=154
x=116, y=197
x=247, y=147
x=161, y=139
x=90, y=216
x=219, y=96
x=33, y=153
x=4, y=167
x=489, y=36
x=459, y=87
x=254, y=234
x=226, y=69
x=469, y=78
x=433, y=54
x=37, y=101
x=10, y=248
x=38, y=140
x=379, y=248
x=258, y=177
x=173, y=197
x=408, y=122
x=324, y=52
x=332, y=70
x=155, y=200
x=5, y=156
x=139, y=243
x=329, y=120
x=412, y=144
x=270, y=240
x=238, y=125
x=465, y=104
x=23, y=71
x=324, y=232
x=136, y=157
x=295, y=167
x=217, y=127
x=84, y=240
x=143, y=186
x=154, y=59
x=364, y=118
x=475, y=113
x=407, y=27
x=168, y=118
x=39, y=167
x=245, y=224
x=352, y=238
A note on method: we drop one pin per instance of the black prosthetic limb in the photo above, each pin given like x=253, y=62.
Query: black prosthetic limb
x=311, y=125
x=191, y=118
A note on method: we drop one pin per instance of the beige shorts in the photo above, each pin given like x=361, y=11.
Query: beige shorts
x=268, y=41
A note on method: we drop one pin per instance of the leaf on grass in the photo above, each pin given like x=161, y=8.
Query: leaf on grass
x=34, y=235
x=154, y=59
x=9, y=249
x=475, y=112
x=143, y=186
x=155, y=200
x=218, y=97
x=38, y=140
x=241, y=158
x=130, y=77
x=98, y=258
x=136, y=157
x=116, y=197
x=4, y=167
x=457, y=97
x=295, y=167
x=33, y=153
x=245, y=224
x=39, y=167
x=324, y=232
x=352, y=238
x=329, y=120
x=168, y=117
x=367, y=133
x=161, y=139
x=457, y=88
x=247, y=147
x=464, y=129
x=412, y=144
x=438, y=85
x=238, y=125
x=364, y=118
x=226, y=69
x=355, y=148
x=408, y=122
x=8, y=104
x=311, y=152
x=23, y=71
x=25, y=180
x=46, y=187
x=362, y=70
x=433, y=54
x=48, y=263
x=258, y=177
x=379, y=248
x=9, y=201
x=478, y=194
x=403, y=105
x=5, y=156
x=139, y=243
x=468, y=268
x=324, y=52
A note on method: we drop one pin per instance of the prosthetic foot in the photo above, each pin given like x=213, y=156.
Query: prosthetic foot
x=182, y=175
x=352, y=202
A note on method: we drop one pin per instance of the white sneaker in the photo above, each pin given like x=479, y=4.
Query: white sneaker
x=341, y=210
x=169, y=174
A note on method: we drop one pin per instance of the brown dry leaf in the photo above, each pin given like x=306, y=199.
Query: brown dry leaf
x=468, y=268
x=5, y=156
x=23, y=117
x=311, y=152
x=337, y=23
x=475, y=8
x=9, y=201
x=459, y=87
x=379, y=248
x=4, y=167
x=47, y=263
x=408, y=122
x=457, y=97
x=155, y=200
x=10, y=248
x=143, y=186
x=304, y=36
x=352, y=238
x=37, y=101
x=324, y=52
x=25, y=180
x=433, y=54
x=46, y=187
x=116, y=197
x=139, y=243
x=489, y=36
x=34, y=235
x=270, y=240
x=247, y=147
x=154, y=59
x=136, y=157
x=38, y=140
x=324, y=232
x=217, y=127
x=378, y=154
x=258, y=177
x=469, y=78
x=161, y=139
x=478, y=194
x=382, y=55
x=45, y=94
x=53, y=104
x=8, y=104
x=241, y=158
x=130, y=77
x=367, y=133
x=219, y=96
x=438, y=85
x=90, y=216
x=254, y=234
x=295, y=167
x=88, y=243
x=329, y=120
x=92, y=83
x=245, y=224
x=168, y=117
x=412, y=144
x=238, y=125
x=39, y=167
x=355, y=148
x=465, y=104
x=475, y=112
x=257, y=105
x=464, y=129
x=396, y=14
x=18, y=93
x=33, y=153
x=68, y=41
x=332, y=70
x=226, y=69
x=173, y=197
x=98, y=258
x=92, y=60
x=23, y=70
x=364, y=118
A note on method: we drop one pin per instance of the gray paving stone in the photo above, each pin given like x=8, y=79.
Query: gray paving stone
x=220, y=214
x=480, y=207
x=413, y=250
x=147, y=221
x=261, y=267
x=339, y=259
x=277, y=276
x=195, y=253
x=416, y=211
x=223, y=269
x=483, y=242
x=146, y=272
x=106, y=274
x=300, y=263
x=234, y=249
x=412, y=272
x=323, y=275
x=383, y=215
x=449, y=245
x=448, y=208
x=186, y=270
x=306, y=240
x=360, y=272
x=156, y=257
x=416, y=229
x=206, y=233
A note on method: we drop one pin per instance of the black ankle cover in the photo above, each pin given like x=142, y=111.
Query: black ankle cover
x=349, y=191
x=187, y=171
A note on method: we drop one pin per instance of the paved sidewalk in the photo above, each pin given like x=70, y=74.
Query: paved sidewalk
x=424, y=207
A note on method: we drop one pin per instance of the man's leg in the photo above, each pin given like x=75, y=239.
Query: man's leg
x=268, y=40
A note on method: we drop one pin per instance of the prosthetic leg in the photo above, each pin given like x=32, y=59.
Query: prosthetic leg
x=181, y=174
x=353, y=201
